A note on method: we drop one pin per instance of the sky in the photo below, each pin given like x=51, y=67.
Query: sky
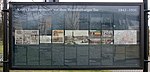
x=86, y=1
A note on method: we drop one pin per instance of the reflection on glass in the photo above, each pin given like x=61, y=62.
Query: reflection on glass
x=76, y=35
x=107, y=21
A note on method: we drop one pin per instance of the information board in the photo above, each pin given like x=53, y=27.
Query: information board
x=76, y=35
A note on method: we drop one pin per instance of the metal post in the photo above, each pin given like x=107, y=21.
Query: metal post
x=5, y=41
x=146, y=48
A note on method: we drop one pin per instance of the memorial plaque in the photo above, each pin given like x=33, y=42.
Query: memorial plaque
x=76, y=35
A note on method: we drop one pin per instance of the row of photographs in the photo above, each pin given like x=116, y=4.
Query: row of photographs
x=80, y=37
x=26, y=37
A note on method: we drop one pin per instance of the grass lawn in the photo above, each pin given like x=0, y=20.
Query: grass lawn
x=1, y=47
x=59, y=71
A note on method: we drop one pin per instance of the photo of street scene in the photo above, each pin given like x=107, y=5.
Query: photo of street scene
x=107, y=33
x=125, y=37
x=31, y=37
x=107, y=41
x=79, y=37
x=18, y=37
x=58, y=36
x=45, y=39
x=94, y=37
x=26, y=37
x=95, y=41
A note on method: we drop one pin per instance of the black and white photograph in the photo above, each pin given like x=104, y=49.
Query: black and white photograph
x=79, y=37
x=107, y=33
x=45, y=39
x=125, y=37
x=31, y=37
x=18, y=36
x=107, y=41
x=26, y=37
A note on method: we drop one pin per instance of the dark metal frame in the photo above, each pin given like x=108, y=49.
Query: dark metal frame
x=146, y=36
x=142, y=32
x=5, y=38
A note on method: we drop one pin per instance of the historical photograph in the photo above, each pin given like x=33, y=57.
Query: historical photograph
x=31, y=37
x=95, y=34
x=76, y=37
x=18, y=37
x=45, y=39
x=95, y=41
x=107, y=41
x=107, y=33
x=94, y=37
x=58, y=36
x=26, y=37
x=58, y=33
x=69, y=38
x=57, y=39
x=125, y=37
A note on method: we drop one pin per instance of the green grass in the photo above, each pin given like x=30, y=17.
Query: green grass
x=59, y=71
x=1, y=47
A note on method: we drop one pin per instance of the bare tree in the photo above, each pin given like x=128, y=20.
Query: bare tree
x=72, y=19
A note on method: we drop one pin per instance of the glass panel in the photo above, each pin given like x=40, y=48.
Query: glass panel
x=76, y=36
